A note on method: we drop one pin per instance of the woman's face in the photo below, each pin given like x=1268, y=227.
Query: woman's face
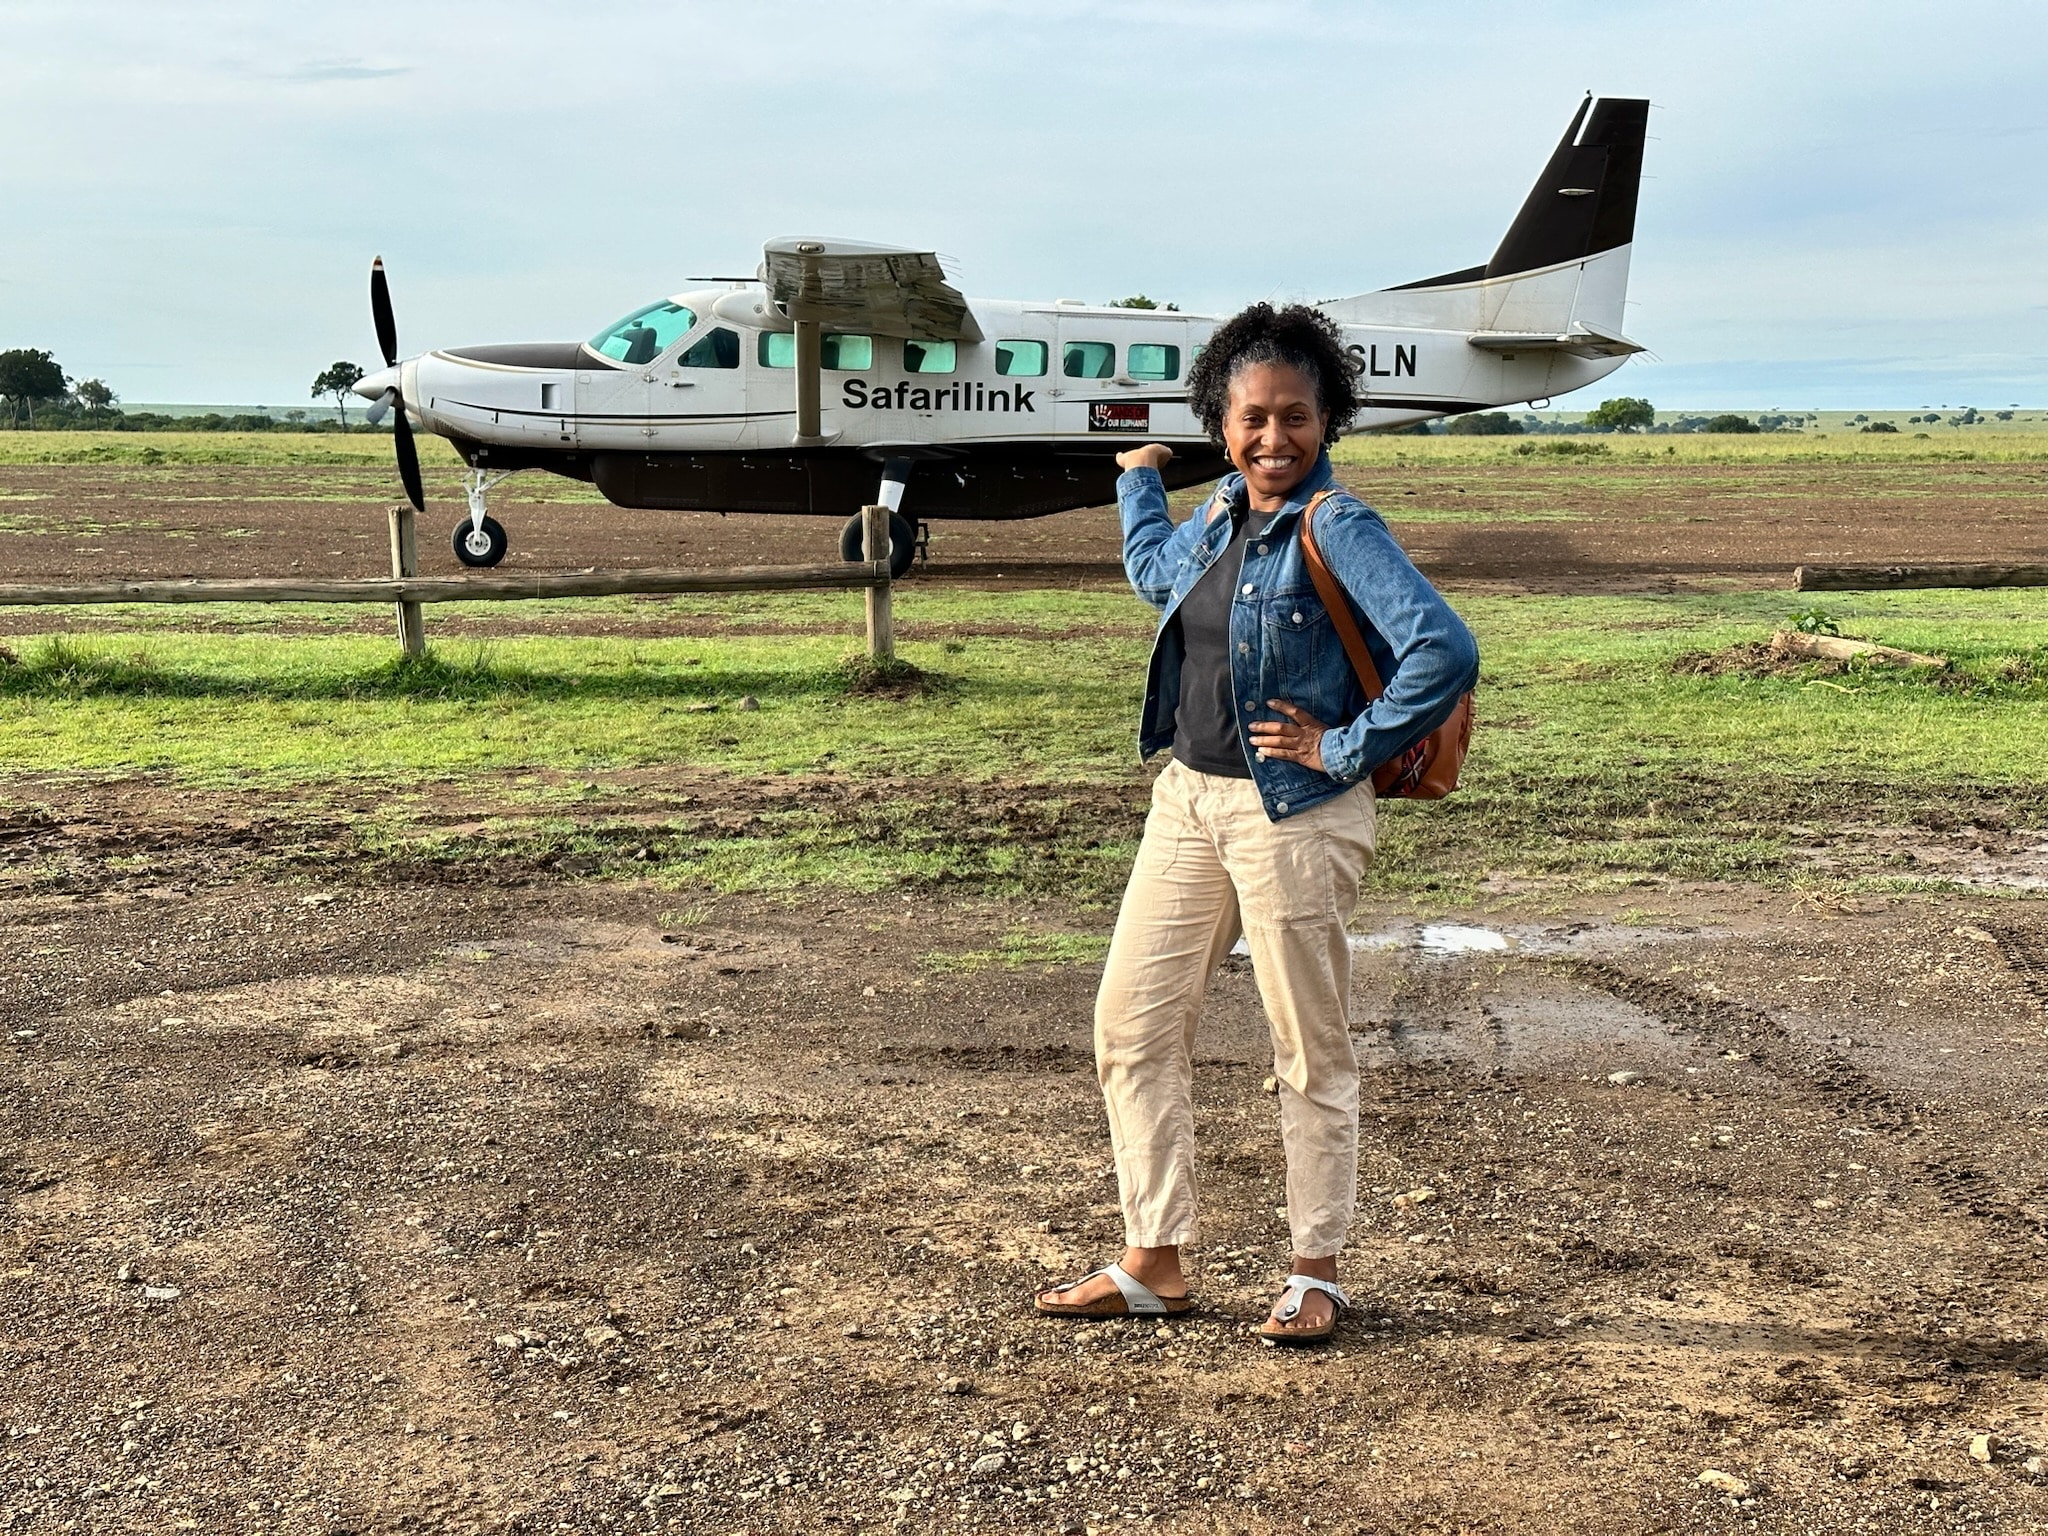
x=1273, y=429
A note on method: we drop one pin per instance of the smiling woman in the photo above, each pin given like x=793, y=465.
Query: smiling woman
x=1264, y=823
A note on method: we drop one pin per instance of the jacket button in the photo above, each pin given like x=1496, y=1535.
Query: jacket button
x=1297, y=616
x=1281, y=807
x=1251, y=706
x=1247, y=589
x=1243, y=649
x=1262, y=549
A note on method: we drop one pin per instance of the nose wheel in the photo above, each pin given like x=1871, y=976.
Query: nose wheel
x=480, y=543
x=479, y=538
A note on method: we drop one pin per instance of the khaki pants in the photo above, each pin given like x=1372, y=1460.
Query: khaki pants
x=1212, y=866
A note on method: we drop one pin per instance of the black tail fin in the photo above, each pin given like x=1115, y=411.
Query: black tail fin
x=1585, y=200
x=1582, y=204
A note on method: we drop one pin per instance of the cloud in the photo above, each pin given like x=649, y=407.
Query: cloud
x=319, y=71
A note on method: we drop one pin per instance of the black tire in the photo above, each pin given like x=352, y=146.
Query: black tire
x=902, y=543
x=487, y=548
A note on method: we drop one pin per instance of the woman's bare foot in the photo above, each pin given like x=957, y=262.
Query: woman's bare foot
x=1317, y=1307
x=1158, y=1269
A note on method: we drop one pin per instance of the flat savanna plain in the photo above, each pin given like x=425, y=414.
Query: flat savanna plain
x=628, y=1071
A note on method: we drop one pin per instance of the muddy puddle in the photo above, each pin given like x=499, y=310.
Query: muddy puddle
x=1457, y=941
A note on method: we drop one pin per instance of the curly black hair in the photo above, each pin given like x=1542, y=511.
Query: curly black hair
x=1298, y=336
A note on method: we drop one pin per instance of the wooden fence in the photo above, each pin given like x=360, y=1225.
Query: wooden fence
x=407, y=590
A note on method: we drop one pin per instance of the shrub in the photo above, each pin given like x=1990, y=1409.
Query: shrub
x=1485, y=424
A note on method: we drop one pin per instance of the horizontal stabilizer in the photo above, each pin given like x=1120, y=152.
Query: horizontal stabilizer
x=876, y=290
x=1581, y=341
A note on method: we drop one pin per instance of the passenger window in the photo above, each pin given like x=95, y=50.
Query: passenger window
x=716, y=348
x=1088, y=360
x=1153, y=363
x=1020, y=359
x=844, y=354
x=644, y=334
x=928, y=357
x=852, y=354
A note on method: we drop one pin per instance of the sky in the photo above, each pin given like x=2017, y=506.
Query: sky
x=1842, y=205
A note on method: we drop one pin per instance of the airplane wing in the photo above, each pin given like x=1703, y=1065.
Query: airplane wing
x=1582, y=340
x=874, y=290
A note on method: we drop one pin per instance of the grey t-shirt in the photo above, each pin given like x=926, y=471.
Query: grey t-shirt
x=1205, y=736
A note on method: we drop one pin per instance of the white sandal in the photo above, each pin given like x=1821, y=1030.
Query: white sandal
x=1134, y=1298
x=1289, y=1308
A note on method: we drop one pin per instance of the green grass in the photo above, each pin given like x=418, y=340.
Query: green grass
x=257, y=448
x=1991, y=443
x=1021, y=947
x=2003, y=445
x=1604, y=751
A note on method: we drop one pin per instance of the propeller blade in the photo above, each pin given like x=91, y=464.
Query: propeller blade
x=408, y=461
x=380, y=312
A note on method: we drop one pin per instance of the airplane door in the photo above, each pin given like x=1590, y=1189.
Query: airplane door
x=1119, y=378
x=697, y=395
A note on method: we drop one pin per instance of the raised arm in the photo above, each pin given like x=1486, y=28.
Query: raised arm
x=1141, y=503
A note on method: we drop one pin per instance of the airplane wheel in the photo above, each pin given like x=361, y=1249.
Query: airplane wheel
x=902, y=543
x=483, y=546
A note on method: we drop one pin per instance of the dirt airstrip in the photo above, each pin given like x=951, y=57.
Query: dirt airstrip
x=340, y=1193
x=1570, y=527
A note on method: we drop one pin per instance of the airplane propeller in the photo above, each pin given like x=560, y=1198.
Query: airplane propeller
x=401, y=429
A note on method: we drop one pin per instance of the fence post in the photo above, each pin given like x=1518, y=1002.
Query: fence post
x=881, y=624
x=405, y=561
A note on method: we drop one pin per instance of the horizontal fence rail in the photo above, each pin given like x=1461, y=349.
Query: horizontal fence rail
x=454, y=589
x=405, y=589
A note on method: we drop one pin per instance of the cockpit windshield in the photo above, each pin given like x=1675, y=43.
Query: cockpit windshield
x=644, y=334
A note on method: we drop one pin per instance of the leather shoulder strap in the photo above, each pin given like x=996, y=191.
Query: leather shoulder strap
x=1332, y=593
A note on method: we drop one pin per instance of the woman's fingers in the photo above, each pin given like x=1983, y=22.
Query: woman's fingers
x=1151, y=456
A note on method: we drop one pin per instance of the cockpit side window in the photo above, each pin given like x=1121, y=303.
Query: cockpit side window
x=644, y=334
x=716, y=348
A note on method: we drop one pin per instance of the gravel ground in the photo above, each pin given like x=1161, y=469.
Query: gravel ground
x=334, y=1202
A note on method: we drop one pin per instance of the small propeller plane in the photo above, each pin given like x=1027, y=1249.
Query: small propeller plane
x=840, y=362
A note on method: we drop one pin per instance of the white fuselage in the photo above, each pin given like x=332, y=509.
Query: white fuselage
x=1058, y=373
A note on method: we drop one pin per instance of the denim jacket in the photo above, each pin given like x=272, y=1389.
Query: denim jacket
x=1282, y=644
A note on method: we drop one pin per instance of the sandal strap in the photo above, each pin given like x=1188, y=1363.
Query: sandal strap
x=1298, y=1286
x=1140, y=1300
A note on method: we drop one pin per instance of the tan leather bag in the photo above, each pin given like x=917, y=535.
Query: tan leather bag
x=1429, y=769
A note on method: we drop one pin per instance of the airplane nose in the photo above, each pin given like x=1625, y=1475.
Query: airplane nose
x=373, y=386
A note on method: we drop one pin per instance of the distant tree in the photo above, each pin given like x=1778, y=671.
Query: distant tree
x=1625, y=414
x=95, y=396
x=338, y=381
x=1880, y=426
x=1139, y=301
x=1485, y=424
x=27, y=376
x=1730, y=422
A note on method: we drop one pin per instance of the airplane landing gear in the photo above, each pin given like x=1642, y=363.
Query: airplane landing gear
x=906, y=541
x=479, y=538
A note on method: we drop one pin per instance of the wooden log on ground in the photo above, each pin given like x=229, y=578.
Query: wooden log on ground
x=842, y=575
x=1874, y=578
x=1791, y=642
